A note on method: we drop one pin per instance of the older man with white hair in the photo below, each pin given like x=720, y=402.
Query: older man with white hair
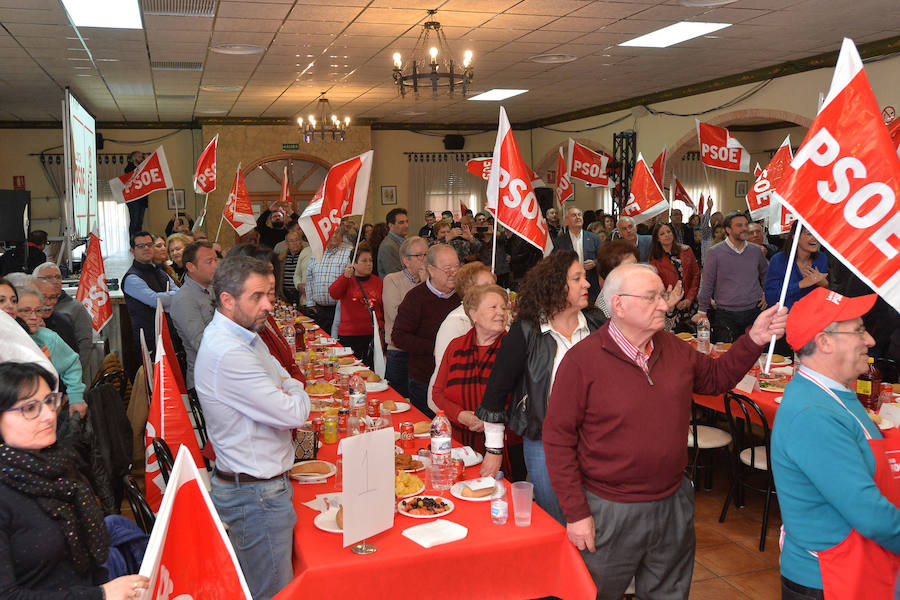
x=627, y=230
x=615, y=431
x=72, y=310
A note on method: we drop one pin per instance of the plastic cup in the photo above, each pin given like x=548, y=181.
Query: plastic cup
x=522, y=493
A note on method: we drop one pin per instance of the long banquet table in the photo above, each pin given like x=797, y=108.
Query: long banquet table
x=493, y=561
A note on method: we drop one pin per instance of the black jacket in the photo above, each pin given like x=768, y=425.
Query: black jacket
x=522, y=368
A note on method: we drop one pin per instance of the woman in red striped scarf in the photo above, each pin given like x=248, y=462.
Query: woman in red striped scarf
x=467, y=363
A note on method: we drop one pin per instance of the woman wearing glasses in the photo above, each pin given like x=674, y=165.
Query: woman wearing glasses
x=53, y=541
x=29, y=309
x=551, y=317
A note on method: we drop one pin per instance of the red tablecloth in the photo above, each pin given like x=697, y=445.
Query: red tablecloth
x=765, y=401
x=493, y=561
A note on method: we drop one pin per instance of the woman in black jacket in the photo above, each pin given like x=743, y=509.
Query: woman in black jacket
x=552, y=315
x=53, y=541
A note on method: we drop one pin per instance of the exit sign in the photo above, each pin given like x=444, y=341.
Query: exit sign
x=286, y=147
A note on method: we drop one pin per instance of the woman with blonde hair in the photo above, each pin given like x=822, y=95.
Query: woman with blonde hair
x=175, y=245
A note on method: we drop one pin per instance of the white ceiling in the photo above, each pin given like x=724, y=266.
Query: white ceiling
x=350, y=43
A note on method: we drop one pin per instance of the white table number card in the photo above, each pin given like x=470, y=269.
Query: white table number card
x=368, y=484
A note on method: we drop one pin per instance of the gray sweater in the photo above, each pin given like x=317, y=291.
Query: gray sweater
x=734, y=280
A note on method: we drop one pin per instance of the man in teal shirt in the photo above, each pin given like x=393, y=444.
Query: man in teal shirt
x=822, y=460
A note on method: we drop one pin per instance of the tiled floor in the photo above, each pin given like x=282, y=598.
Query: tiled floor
x=728, y=564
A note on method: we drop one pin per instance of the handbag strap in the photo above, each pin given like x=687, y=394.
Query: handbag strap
x=368, y=306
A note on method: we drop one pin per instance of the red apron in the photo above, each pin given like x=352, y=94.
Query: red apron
x=858, y=567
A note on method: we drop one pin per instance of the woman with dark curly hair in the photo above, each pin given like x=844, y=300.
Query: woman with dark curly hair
x=551, y=316
x=675, y=263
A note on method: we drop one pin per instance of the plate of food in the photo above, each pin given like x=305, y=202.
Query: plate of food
x=407, y=485
x=320, y=390
x=407, y=463
x=422, y=429
x=332, y=520
x=311, y=470
x=348, y=361
x=425, y=507
x=378, y=386
x=684, y=335
x=779, y=361
x=461, y=490
x=773, y=383
x=351, y=369
x=309, y=325
x=322, y=404
x=396, y=407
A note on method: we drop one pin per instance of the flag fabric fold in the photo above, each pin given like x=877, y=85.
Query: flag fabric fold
x=646, y=199
x=759, y=196
x=238, y=211
x=658, y=168
x=679, y=193
x=720, y=150
x=587, y=165
x=205, y=175
x=563, y=190
x=92, y=290
x=149, y=176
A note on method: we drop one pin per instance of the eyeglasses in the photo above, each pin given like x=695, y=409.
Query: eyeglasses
x=45, y=277
x=25, y=312
x=423, y=255
x=650, y=299
x=32, y=409
x=144, y=245
x=860, y=331
x=448, y=270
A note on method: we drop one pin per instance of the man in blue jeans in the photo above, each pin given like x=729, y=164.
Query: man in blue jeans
x=251, y=404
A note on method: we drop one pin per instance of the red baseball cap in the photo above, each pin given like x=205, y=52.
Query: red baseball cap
x=815, y=311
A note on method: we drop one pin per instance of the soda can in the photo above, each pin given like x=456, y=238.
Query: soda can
x=317, y=425
x=342, y=420
x=460, y=467
x=330, y=430
x=372, y=408
x=407, y=436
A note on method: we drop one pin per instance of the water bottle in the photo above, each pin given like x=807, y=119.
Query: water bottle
x=442, y=470
x=499, y=505
x=703, y=334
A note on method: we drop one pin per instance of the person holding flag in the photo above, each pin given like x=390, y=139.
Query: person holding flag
x=136, y=208
x=251, y=404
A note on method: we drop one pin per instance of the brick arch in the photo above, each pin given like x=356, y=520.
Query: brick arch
x=688, y=142
x=548, y=160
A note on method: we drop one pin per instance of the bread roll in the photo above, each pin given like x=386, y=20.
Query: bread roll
x=468, y=493
x=389, y=404
x=422, y=427
x=312, y=467
x=340, y=517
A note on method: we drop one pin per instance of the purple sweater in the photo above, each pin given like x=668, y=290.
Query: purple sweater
x=734, y=280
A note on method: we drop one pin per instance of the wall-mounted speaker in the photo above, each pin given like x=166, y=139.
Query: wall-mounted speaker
x=454, y=142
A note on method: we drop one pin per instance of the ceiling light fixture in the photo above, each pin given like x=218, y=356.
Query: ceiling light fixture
x=114, y=14
x=323, y=123
x=236, y=49
x=432, y=52
x=221, y=88
x=497, y=94
x=674, y=34
x=553, y=59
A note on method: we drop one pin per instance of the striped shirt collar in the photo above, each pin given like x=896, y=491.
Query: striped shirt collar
x=631, y=351
x=410, y=276
x=437, y=292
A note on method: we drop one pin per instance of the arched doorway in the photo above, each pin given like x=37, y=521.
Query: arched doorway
x=263, y=178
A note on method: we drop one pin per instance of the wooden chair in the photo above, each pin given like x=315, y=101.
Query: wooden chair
x=143, y=515
x=751, y=455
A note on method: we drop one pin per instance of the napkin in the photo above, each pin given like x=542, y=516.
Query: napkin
x=746, y=384
x=466, y=454
x=439, y=531
x=318, y=503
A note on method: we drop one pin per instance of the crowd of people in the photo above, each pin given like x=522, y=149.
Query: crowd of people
x=518, y=356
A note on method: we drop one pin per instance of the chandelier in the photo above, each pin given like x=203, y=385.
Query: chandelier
x=323, y=123
x=431, y=65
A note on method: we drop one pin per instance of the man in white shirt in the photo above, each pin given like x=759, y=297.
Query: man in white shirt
x=251, y=404
x=584, y=243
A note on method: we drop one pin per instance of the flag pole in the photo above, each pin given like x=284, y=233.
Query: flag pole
x=708, y=185
x=494, y=247
x=358, y=236
x=201, y=220
x=784, y=286
x=219, y=230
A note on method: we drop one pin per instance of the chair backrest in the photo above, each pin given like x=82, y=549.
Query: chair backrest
x=143, y=515
x=888, y=368
x=742, y=414
x=163, y=457
x=197, y=411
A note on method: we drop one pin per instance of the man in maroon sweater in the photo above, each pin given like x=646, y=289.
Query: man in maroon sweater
x=615, y=436
x=419, y=317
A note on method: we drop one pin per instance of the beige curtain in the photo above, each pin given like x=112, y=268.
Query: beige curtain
x=439, y=181
x=697, y=180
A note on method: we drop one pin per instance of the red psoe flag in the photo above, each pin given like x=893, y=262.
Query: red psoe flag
x=343, y=192
x=285, y=188
x=894, y=132
x=679, y=193
x=92, y=291
x=481, y=167
x=718, y=149
x=510, y=196
x=646, y=199
x=759, y=196
x=587, y=165
x=150, y=176
x=189, y=554
x=701, y=204
x=844, y=181
x=563, y=190
x=658, y=168
x=238, y=211
x=757, y=171
x=205, y=175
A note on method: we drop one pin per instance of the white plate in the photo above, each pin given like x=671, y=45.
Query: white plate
x=457, y=489
x=327, y=521
x=350, y=369
x=316, y=476
x=443, y=514
x=786, y=362
x=886, y=424
x=777, y=399
x=378, y=386
x=341, y=351
x=402, y=407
